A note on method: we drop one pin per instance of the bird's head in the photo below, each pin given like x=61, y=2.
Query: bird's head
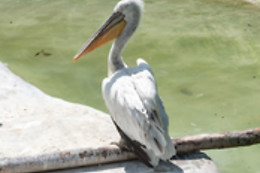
x=129, y=7
x=126, y=16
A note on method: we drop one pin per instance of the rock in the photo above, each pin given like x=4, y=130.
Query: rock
x=34, y=123
x=39, y=132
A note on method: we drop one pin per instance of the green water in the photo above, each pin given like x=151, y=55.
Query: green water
x=205, y=56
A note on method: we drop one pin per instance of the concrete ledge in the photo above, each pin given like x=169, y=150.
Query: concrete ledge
x=188, y=163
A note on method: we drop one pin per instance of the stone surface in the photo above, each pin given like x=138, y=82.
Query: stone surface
x=33, y=124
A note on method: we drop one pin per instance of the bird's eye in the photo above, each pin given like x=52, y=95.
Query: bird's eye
x=134, y=28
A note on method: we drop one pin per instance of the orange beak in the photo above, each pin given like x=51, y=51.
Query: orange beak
x=110, y=30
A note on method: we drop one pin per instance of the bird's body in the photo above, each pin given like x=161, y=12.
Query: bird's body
x=130, y=93
x=135, y=107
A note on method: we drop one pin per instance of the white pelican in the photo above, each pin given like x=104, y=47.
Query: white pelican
x=130, y=93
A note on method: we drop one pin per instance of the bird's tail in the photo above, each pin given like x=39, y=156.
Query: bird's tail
x=161, y=143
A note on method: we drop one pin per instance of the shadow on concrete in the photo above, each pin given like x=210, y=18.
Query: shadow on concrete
x=135, y=166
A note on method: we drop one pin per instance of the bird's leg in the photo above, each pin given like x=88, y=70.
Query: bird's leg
x=121, y=144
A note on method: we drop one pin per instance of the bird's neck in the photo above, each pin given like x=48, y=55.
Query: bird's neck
x=115, y=61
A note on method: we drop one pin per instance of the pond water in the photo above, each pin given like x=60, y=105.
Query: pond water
x=205, y=56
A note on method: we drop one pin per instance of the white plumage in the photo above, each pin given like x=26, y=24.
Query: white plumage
x=131, y=97
x=130, y=93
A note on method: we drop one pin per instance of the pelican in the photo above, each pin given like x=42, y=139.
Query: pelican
x=130, y=93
